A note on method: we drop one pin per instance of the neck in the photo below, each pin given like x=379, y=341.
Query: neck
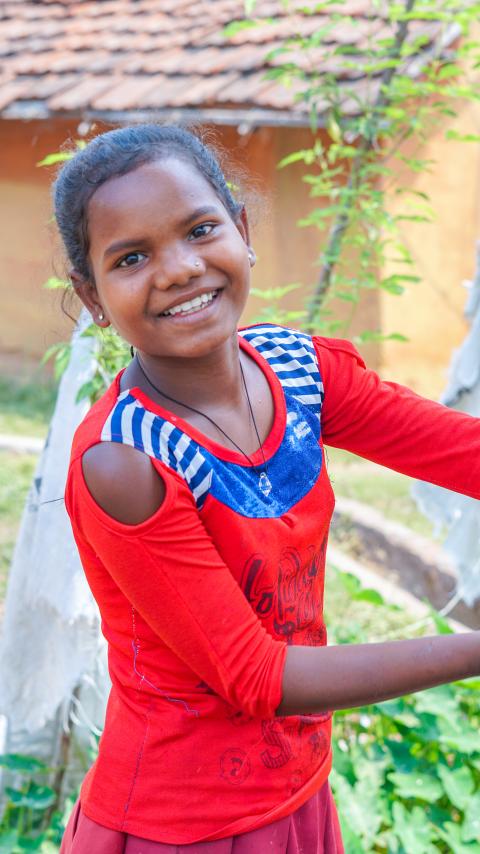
x=208, y=381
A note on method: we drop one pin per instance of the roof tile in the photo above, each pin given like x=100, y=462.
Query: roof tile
x=11, y=91
x=114, y=55
x=81, y=95
x=128, y=92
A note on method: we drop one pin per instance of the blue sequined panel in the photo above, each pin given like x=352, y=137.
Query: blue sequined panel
x=292, y=357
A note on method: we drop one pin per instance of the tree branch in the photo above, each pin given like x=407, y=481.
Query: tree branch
x=340, y=225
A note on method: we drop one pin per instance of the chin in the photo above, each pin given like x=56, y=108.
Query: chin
x=198, y=345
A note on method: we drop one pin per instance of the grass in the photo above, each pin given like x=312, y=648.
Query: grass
x=16, y=472
x=26, y=408
x=380, y=488
x=351, y=618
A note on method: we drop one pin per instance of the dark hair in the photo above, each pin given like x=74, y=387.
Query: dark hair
x=116, y=153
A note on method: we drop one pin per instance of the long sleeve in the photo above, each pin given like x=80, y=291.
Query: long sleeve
x=391, y=425
x=170, y=571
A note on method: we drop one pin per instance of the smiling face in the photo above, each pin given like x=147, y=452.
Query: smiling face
x=171, y=268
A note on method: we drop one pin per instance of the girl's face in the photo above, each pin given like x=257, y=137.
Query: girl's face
x=171, y=268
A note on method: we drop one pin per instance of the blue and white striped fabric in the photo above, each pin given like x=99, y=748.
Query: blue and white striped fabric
x=131, y=424
x=292, y=357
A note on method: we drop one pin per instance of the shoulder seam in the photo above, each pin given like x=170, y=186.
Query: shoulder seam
x=340, y=344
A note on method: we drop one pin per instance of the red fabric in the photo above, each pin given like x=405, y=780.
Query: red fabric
x=389, y=424
x=191, y=749
x=312, y=829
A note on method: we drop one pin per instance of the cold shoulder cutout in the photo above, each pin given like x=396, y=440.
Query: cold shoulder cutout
x=123, y=482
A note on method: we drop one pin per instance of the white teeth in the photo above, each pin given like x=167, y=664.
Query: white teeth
x=191, y=305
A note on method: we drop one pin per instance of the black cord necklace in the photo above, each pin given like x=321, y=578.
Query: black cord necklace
x=264, y=483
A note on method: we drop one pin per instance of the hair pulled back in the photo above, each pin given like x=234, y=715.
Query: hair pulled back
x=116, y=153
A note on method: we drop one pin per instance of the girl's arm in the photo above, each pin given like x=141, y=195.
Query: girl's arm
x=320, y=679
x=160, y=556
x=393, y=426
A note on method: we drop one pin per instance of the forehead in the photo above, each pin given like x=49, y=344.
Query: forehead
x=171, y=188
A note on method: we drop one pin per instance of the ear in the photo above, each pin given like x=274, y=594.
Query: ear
x=87, y=293
x=244, y=229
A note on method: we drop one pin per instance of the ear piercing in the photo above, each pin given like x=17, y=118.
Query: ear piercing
x=197, y=264
x=251, y=257
x=101, y=315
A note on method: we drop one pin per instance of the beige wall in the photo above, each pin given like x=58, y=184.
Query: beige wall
x=31, y=318
x=430, y=313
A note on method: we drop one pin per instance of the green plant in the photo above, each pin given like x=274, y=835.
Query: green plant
x=376, y=131
x=31, y=820
x=406, y=772
x=110, y=353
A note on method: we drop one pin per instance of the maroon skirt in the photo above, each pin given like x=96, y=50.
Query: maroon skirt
x=312, y=829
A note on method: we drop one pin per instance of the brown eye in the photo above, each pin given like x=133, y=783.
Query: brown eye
x=202, y=230
x=131, y=260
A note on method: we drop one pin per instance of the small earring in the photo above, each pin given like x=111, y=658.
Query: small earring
x=251, y=257
x=197, y=264
x=101, y=315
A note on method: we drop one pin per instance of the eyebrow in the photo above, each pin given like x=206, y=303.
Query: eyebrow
x=131, y=243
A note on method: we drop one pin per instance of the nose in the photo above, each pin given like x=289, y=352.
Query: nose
x=178, y=266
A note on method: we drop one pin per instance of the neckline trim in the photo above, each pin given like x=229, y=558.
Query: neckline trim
x=272, y=441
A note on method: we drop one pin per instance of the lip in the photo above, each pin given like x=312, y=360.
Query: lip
x=187, y=297
x=203, y=311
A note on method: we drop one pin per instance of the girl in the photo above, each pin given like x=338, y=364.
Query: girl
x=200, y=504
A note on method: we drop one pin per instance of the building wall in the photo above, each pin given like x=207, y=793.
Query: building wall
x=430, y=314
x=31, y=317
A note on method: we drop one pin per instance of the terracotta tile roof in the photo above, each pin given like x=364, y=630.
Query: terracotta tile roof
x=111, y=58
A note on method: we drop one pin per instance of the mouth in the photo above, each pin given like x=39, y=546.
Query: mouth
x=192, y=306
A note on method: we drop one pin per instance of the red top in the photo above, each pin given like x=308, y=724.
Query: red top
x=199, y=602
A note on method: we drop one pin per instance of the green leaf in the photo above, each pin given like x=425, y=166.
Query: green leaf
x=413, y=831
x=398, y=711
x=55, y=157
x=359, y=806
x=452, y=835
x=368, y=594
x=8, y=840
x=450, y=69
x=351, y=841
x=462, y=137
x=471, y=822
x=392, y=287
x=60, y=353
x=396, y=336
x=462, y=738
x=22, y=764
x=53, y=284
x=437, y=701
x=472, y=684
x=272, y=294
x=36, y=797
x=239, y=26
x=416, y=785
x=349, y=582
x=442, y=625
x=459, y=786
x=34, y=843
x=302, y=156
x=333, y=128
